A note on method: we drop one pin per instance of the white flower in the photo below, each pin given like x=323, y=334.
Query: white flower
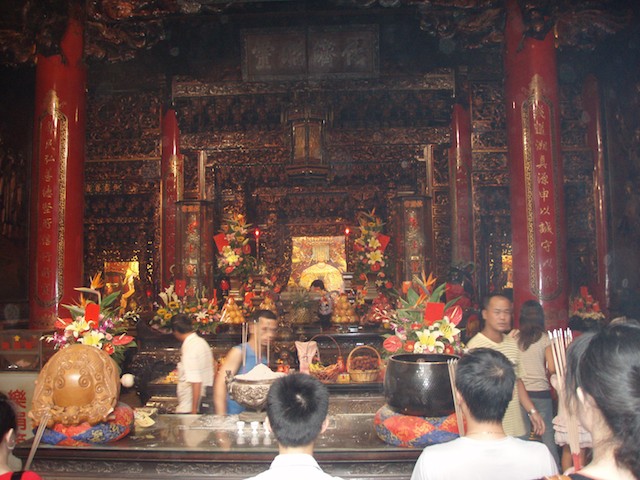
x=447, y=329
x=374, y=257
x=77, y=327
x=93, y=338
x=374, y=243
x=430, y=341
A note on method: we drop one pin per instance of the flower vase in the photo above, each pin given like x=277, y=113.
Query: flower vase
x=235, y=287
x=372, y=289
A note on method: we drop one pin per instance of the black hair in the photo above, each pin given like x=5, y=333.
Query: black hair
x=317, y=283
x=491, y=296
x=485, y=378
x=531, y=324
x=181, y=323
x=606, y=365
x=297, y=406
x=268, y=314
x=7, y=416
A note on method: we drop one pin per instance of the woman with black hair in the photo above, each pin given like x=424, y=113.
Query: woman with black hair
x=532, y=341
x=603, y=387
x=8, y=426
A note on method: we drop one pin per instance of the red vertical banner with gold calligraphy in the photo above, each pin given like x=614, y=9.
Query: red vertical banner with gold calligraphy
x=461, y=166
x=535, y=166
x=171, y=171
x=57, y=181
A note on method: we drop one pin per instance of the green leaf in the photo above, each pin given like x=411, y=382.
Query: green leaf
x=108, y=300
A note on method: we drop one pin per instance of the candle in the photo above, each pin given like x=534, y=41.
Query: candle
x=257, y=234
x=347, y=231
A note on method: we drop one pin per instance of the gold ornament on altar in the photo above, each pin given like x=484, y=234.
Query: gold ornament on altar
x=78, y=384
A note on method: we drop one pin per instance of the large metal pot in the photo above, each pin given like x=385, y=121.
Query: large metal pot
x=418, y=384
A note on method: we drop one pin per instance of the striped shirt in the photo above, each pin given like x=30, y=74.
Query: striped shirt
x=512, y=422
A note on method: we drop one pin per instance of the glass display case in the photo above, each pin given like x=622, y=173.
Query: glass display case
x=23, y=350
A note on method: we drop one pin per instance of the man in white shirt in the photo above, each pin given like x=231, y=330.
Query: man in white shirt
x=297, y=408
x=484, y=386
x=195, y=370
x=496, y=314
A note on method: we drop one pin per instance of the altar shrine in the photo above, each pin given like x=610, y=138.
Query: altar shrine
x=331, y=161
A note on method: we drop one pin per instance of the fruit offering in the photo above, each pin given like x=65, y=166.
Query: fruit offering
x=380, y=312
x=231, y=312
x=343, y=311
x=365, y=363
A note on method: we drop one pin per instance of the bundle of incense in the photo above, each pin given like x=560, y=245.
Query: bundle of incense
x=560, y=340
x=245, y=329
x=451, y=365
x=37, y=438
x=258, y=349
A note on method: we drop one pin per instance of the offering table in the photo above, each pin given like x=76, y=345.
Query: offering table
x=210, y=446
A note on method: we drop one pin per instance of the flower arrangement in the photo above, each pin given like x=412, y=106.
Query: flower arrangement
x=102, y=325
x=584, y=306
x=234, y=247
x=369, y=249
x=204, y=312
x=422, y=324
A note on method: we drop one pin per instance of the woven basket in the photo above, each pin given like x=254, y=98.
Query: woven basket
x=363, y=376
x=329, y=373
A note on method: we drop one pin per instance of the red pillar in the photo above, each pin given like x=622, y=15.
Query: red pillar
x=57, y=181
x=537, y=200
x=461, y=165
x=591, y=102
x=171, y=191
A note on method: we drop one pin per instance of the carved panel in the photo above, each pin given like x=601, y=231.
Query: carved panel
x=123, y=126
x=488, y=116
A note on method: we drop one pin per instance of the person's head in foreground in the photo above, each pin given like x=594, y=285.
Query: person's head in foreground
x=484, y=381
x=8, y=424
x=603, y=388
x=297, y=406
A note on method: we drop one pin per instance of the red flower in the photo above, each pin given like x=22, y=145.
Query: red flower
x=416, y=326
x=121, y=340
x=108, y=348
x=448, y=349
x=375, y=267
x=388, y=285
x=228, y=269
x=246, y=249
x=392, y=344
x=408, y=346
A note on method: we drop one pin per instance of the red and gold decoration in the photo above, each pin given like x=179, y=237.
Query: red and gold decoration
x=537, y=203
x=411, y=431
x=57, y=179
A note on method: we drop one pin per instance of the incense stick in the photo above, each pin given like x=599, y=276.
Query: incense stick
x=37, y=438
x=560, y=340
x=451, y=365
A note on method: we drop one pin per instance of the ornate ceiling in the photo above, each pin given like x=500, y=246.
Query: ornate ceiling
x=117, y=29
